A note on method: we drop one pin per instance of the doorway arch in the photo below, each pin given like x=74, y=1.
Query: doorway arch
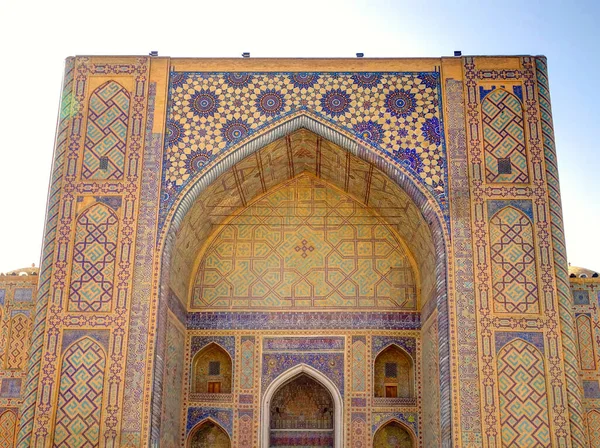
x=285, y=378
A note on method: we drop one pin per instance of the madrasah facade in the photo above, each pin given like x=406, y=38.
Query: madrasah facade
x=302, y=252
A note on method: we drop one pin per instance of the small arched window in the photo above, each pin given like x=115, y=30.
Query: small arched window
x=212, y=371
x=394, y=374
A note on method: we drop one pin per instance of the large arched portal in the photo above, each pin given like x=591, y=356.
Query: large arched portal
x=299, y=235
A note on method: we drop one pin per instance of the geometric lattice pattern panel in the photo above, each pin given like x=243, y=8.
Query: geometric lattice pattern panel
x=523, y=398
x=305, y=244
x=18, y=346
x=93, y=271
x=593, y=423
x=514, y=274
x=80, y=396
x=587, y=353
x=106, y=135
x=8, y=426
x=504, y=137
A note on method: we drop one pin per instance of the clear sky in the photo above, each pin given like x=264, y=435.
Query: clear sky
x=37, y=35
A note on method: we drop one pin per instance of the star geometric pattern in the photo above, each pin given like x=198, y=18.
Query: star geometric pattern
x=8, y=426
x=396, y=112
x=94, y=260
x=523, y=399
x=503, y=136
x=106, y=135
x=513, y=262
x=80, y=397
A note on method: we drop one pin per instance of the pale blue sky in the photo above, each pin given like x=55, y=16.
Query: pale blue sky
x=37, y=36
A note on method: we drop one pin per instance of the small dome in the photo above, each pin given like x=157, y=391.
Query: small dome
x=31, y=270
x=578, y=272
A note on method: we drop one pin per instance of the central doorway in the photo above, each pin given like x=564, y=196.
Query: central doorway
x=302, y=413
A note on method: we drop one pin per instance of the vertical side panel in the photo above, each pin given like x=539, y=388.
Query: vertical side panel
x=559, y=253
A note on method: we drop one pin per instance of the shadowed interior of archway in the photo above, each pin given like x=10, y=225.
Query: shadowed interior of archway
x=300, y=152
x=302, y=413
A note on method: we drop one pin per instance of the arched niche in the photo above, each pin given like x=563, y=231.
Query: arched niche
x=208, y=434
x=301, y=372
x=393, y=435
x=393, y=374
x=212, y=371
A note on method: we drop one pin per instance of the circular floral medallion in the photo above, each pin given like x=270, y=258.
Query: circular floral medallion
x=204, y=103
x=235, y=129
x=335, y=102
x=238, y=79
x=432, y=130
x=174, y=133
x=270, y=103
x=366, y=79
x=370, y=131
x=410, y=159
x=304, y=80
x=196, y=161
x=400, y=103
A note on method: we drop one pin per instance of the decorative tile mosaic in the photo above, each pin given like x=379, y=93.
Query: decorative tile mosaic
x=504, y=136
x=524, y=205
x=23, y=295
x=410, y=419
x=11, y=388
x=18, y=342
x=359, y=366
x=289, y=249
x=504, y=337
x=523, y=396
x=8, y=425
x=585, y=337
x=226, y=342
x=593, y=425
x=222, y=416
x=329, y=364
x=308, y=320
x=247, y=364
x=408, y=344
x=581, y=297
x=80, y=397
x=106, y=134
x=299, y=344
x=591, y=389
x=395, y=112
x=514, y=273
x=92, y=277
